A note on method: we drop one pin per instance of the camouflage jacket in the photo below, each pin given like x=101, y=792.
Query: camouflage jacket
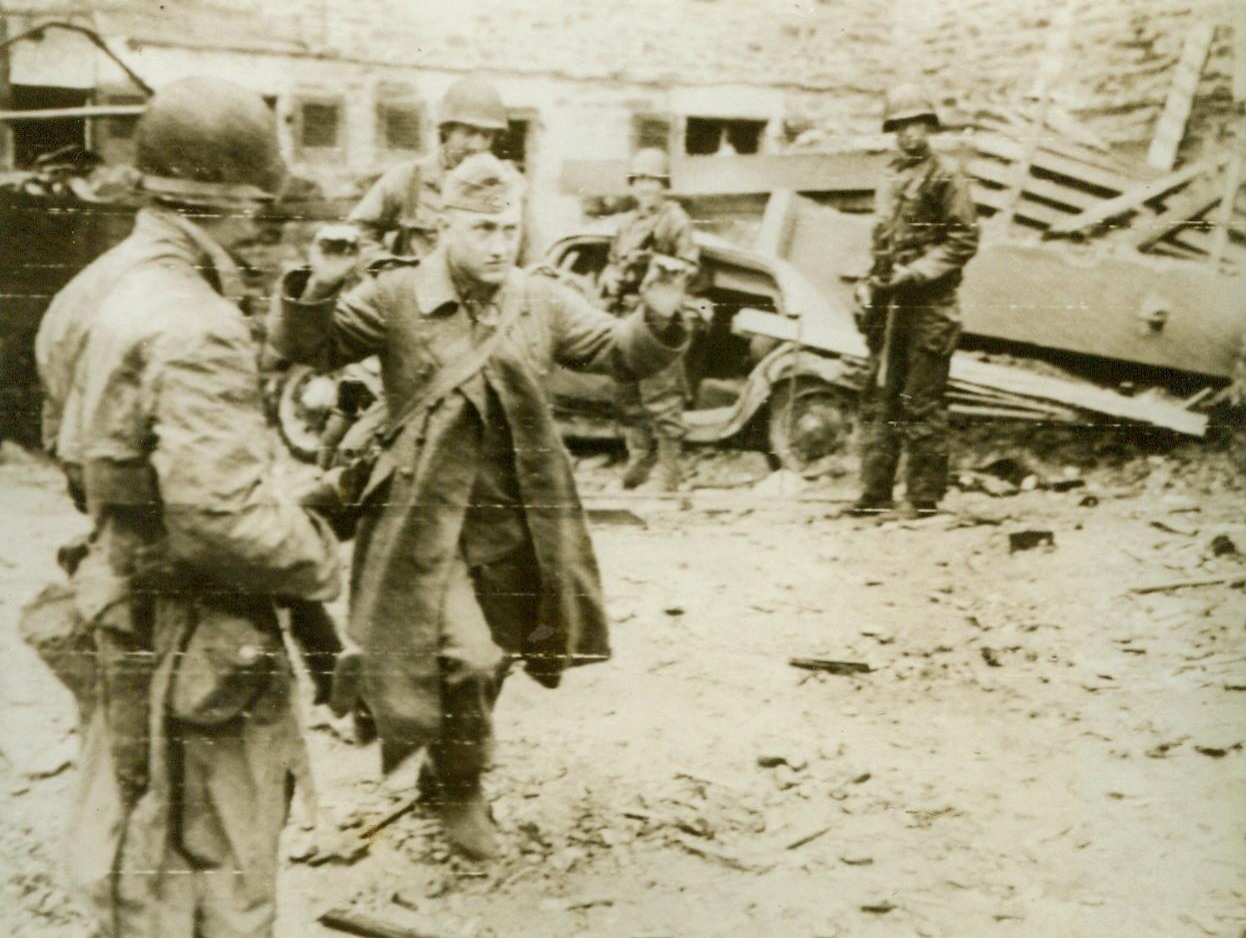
x=926, y=221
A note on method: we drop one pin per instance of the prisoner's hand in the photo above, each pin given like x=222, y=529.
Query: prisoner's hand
x=663, y=292
x=333, y=254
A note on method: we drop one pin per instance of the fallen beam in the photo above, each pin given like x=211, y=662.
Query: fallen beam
x=1131, y=200
x=352, y=922
x=968, y=372
x=1196, y=199
x=1170, y=130
x=1235, y=580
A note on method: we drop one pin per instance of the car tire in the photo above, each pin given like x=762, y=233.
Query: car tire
x=299, y=427
x=809, y=420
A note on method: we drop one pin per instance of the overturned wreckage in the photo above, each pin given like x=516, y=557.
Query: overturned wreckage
x=778, y=352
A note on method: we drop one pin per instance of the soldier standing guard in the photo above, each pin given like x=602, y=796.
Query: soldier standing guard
x=654, y=242
x=399, y=214
x=472, y=549
x=153, y=409
x=926, y=230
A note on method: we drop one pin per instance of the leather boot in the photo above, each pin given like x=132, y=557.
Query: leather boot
x=467, y=822
x=670, y=470
x=641, y=457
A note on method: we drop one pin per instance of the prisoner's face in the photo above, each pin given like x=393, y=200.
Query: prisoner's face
x=483, y=247
x=463, y=140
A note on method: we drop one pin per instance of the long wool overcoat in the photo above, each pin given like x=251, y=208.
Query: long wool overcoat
x=412, y=317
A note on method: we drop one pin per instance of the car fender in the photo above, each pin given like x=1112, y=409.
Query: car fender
x=788, y=361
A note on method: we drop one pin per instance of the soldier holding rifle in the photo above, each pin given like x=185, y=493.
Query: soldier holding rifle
x=925, y=234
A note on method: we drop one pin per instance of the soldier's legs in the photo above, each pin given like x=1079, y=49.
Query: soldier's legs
x=663, y=396
x=637, y=433
x=881, y=414
x=488, y=611
x=926, y=431
x=233, y=788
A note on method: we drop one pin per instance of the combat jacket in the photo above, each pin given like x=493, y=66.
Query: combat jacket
x=153, y=406
x=406, y=201
x=927, y=222
x=666, y=231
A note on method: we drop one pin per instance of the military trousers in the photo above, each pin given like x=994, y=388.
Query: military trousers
x=655, y=405
x=904, y=405
x=488, y=611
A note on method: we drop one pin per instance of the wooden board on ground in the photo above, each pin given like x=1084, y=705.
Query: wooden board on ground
x=969, y=373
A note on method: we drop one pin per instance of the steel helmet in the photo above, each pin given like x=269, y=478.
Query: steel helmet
x=907, y=102
x=651, y=163
x=209, y=141
x=473, y=101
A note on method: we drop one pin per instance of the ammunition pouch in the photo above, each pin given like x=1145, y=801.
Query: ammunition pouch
x=228, y=661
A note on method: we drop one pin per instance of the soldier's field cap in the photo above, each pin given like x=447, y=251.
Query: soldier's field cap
x=483, y=183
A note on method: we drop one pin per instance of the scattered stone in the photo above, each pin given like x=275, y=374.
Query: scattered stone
x=1222, y=546
x=674, y=610
x=1217, y=752
x=878, y=908
x=1089, y=501
x=1067, y=485
x=991, y=657
x=852, y=859
x=1028, y=540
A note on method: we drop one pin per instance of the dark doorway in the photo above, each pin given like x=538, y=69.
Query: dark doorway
x=34, y=138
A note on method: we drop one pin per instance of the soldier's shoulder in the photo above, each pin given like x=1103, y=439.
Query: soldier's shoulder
x=546, y=285
x=673, y=211
x=390, y=266
x=947, y=165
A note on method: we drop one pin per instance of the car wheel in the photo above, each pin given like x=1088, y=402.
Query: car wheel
x=809, y=420
x=302, y=410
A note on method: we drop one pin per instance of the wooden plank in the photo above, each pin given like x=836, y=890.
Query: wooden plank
x=1239, y=52
x=777, y=223
x=995, y=172
x=1224, y=219
x=1197, y=198
x=969, y=372
x=738, y=175
x=1131, y=200
x=69, y=113
x=1006, y=148
x=1170, y=130
x=1026, y=209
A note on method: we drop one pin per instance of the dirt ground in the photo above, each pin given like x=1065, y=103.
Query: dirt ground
x=1038, y=748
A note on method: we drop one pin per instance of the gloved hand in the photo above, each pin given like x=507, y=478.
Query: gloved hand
x=862, y=303
x=902, y=275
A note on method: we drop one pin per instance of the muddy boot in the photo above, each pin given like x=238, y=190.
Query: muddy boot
x=641, y=457
x=919, y=509
x=427, y=784
x=467, y=822
x=670, y=470
x=870, y=505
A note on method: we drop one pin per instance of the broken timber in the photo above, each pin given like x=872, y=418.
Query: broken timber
x=1131, y=200
x=1171, y=128
x=974, y=379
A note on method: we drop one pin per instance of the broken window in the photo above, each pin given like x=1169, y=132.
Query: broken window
x=319, y=124
x=708, y=136
x=512, y=143
x=399, y=126
x=651, y=130
x=35, y=138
